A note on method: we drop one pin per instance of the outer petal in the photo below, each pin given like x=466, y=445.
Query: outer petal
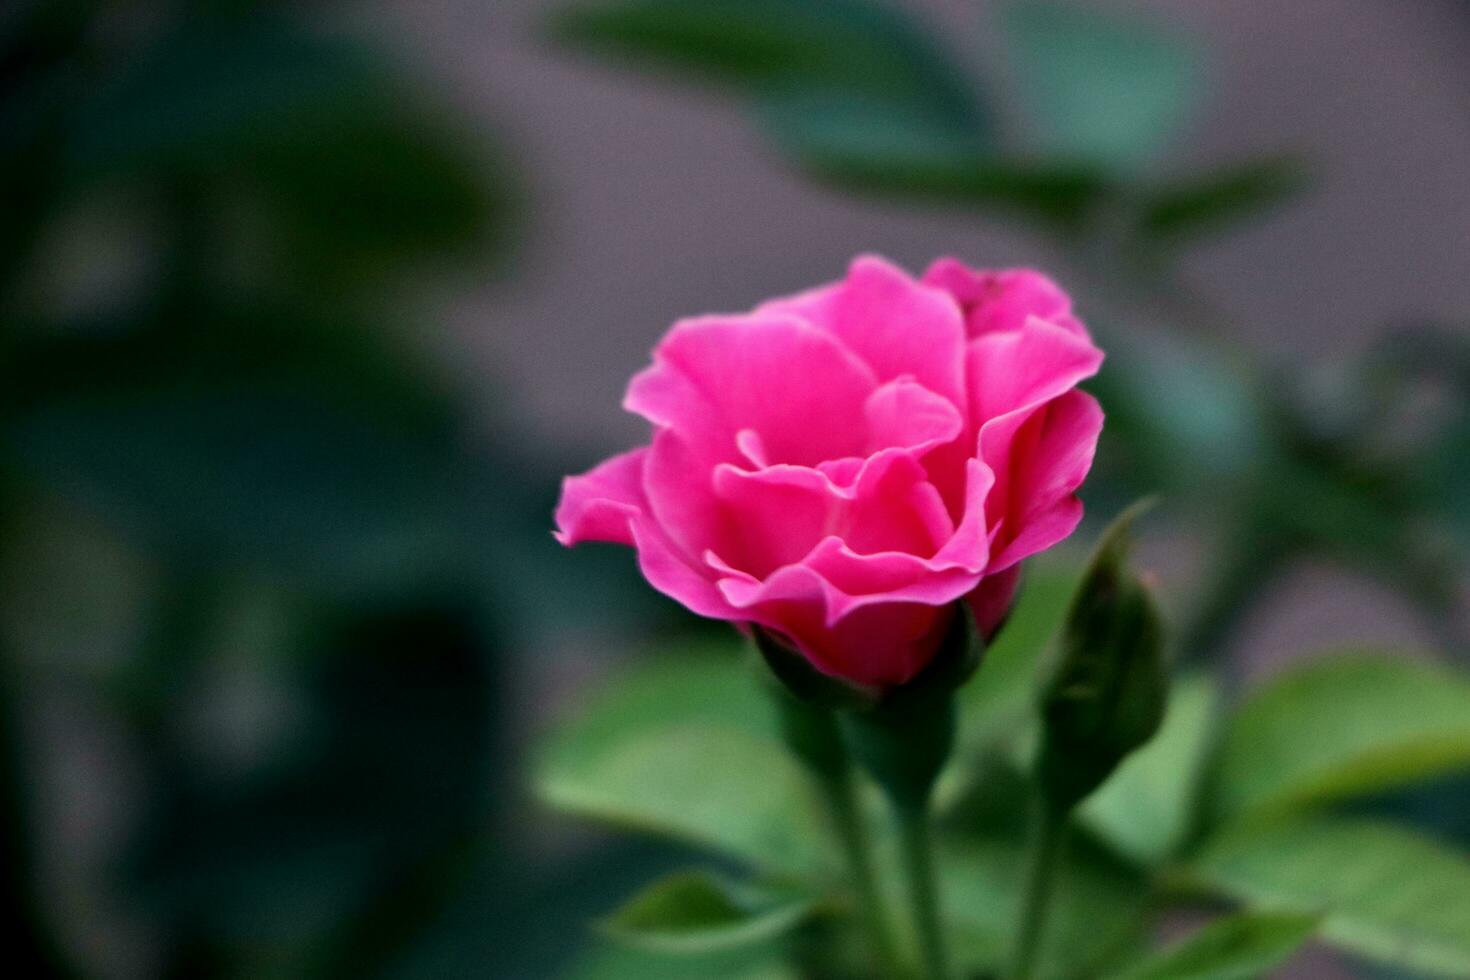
x=1021, y=369
x=1042, y=508
x=894, y=323
x=1003, y=299
x=992, y=598
x=877, y=643
x=601, y=504
x=607, y=504
x=794, y=385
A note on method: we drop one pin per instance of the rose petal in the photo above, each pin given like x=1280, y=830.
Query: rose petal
x=607, y=504
x=894, y=323
x=907, y=415
x=601, y=504
x=795, y=385
x=879, y=643
x=783, y=512
x=1002, y=299
x=1023, y=368
x=1042, y=508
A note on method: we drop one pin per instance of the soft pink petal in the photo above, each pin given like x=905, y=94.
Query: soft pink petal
x=1024, y=368
x=607, y=504
x=878, y=643
x=969, y=547
x=992, y=598
x=1000, y=300
x=794, y=384
x=905, y=414
x=678, y=484
x=670, y=572
x=894, y=323
x=600, y=504
x=1042, y=508
x=781, y=513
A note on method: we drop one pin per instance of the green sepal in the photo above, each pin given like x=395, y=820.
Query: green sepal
x=905, y=739
x=1107, y=695
x=805, y=682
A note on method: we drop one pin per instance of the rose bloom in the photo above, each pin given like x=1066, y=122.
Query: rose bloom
x=842, y=465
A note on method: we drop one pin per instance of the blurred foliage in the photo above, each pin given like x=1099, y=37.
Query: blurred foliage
x=219, y=215
x=1240, y=947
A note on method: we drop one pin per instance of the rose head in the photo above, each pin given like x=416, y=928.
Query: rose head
x=841, y=465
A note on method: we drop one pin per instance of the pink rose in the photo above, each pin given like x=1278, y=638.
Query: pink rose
x=841, y=465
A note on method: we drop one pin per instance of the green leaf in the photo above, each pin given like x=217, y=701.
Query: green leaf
x=1342, y=726
x=1097, y=912
x=910, y=153
x=617, y=963
x=695, y=912
x=1201, y=204
x=279, y=437
x=1240, y=947
x=1168, y=394
x=1102, y=88
x=294, y=851
x=862, y=48
x=1381, y=891
x=1106, y=695
x=216, y=87
x=687, y=747
x=359, y=170
x=1146, y=809
x=854, y=92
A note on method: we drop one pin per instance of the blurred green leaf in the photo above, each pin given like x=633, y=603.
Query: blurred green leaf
x=1169, y=394
x=865, y=49
x=905, y=153
x=616, y=963
x=1240, y=947
x=361, y=174
x=696, y=912
x=1102, y=88
x=1342, y=726
x=216, y=87
x=1146, y=809
x=1096, y=916
x=837, y=133
x=687, y=748
x=358, y=798
x=1201, y=204
x=278, y=437
x=1382, y=892
x=1449, y=474
x=852, y=91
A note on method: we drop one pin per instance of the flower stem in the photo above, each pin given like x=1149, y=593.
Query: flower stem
x=812, y=733
x=842, y=803
x=1048, y=830
x=923, y=891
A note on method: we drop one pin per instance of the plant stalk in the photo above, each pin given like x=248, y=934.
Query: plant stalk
x=1048, y=831
x=811, y=732
x=923, y=889
x=841, y=792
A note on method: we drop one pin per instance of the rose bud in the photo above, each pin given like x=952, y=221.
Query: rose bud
x=840, y=466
